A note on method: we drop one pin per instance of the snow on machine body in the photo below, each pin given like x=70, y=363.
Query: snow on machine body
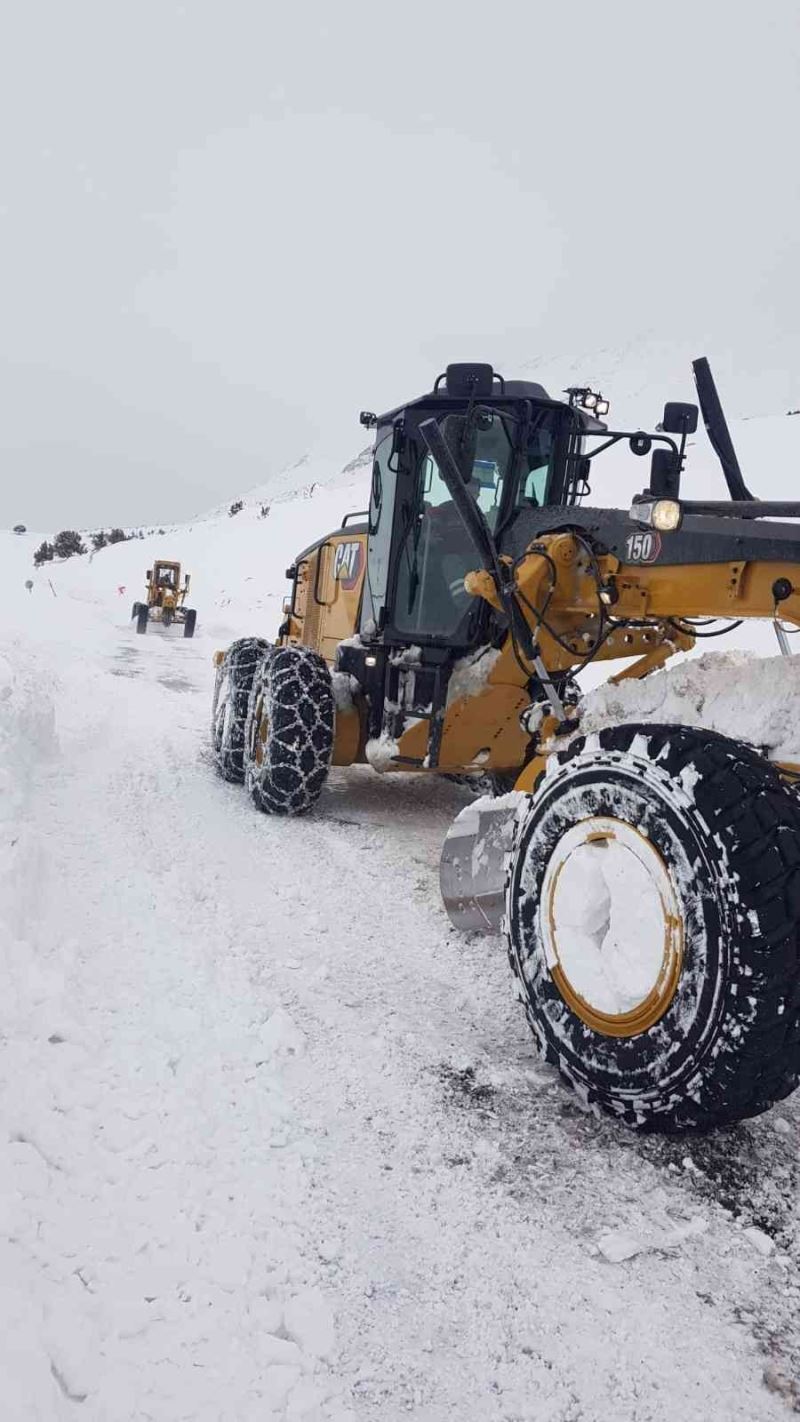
x=166, y=599
x=646, y=877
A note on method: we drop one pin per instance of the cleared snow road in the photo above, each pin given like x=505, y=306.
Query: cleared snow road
x=275, y=1142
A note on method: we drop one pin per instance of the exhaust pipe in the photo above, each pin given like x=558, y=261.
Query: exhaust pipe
x=717, y=429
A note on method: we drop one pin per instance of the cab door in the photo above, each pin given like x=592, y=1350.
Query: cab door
x=380, y=529
x=436, y=553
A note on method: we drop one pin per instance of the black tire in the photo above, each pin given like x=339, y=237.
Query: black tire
x=231, y=697
x=289, y=739
x=189, y=624
x=141, y=617
x=135, y=611
x=727, y=831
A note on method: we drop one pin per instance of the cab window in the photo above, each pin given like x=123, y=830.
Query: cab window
x=535, y=480
x=381, y=514
x=437, y=551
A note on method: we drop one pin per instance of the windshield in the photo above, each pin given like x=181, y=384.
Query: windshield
x=437, y=551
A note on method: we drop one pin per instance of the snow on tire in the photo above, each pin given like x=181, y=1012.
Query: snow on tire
x=232, y=688
x=653, y=922
x=290, y=731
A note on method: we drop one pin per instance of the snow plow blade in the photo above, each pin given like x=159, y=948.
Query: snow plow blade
x=472, y=871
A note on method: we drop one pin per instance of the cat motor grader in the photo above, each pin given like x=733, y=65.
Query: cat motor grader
x=647, y=877
x=166, y=599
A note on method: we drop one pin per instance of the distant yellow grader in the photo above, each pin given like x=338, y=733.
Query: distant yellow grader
x=166, y=599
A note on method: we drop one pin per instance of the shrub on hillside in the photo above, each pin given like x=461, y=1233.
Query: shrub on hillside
x=99, y=540
x=68, y=542
x=43, y=554
x=236, y=508
x=117, y=535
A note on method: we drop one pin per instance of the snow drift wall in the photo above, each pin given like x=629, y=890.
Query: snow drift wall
x=753, y=699
x=27, y=737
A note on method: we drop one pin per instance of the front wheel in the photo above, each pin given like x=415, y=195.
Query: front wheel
x=289, y=738
x=653, y=922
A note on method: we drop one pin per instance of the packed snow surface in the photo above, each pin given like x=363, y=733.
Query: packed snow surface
x=274, y=1139
x=751, y=698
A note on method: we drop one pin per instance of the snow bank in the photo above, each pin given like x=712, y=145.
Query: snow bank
x=754, y=699
x=27, y=733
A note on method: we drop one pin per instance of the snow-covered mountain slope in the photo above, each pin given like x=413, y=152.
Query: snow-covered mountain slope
x=756, y=377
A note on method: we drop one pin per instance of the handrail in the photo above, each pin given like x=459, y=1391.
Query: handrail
x=315, y=590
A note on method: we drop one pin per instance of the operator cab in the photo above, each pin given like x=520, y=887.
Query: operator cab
x=518, y=450
x=164, y=578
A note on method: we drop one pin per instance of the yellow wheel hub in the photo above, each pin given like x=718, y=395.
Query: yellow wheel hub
x=259, y=728
x=612, y=927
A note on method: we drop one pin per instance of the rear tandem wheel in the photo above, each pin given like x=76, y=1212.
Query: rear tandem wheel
x=231, y=697
x=653, y=923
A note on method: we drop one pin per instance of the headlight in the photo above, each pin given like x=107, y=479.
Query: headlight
x=664, y=514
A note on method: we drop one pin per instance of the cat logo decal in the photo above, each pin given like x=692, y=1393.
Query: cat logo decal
x=348, y=561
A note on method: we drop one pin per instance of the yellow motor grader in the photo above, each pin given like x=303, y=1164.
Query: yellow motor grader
x=166, y=599
x=646, y=878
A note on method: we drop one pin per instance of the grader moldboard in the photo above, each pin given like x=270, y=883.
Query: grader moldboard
x=166, y=599
x=647, y=877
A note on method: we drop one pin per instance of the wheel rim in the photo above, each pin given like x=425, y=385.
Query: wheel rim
x=222, y=723
x=611, y=926
x=259, y=730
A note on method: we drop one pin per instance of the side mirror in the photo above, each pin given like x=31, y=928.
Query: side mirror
x=679, y=418
x=368, y=419
x=665, y=475
x=149, y=574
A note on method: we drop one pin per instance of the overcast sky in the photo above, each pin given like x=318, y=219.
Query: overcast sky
x=229, y=224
